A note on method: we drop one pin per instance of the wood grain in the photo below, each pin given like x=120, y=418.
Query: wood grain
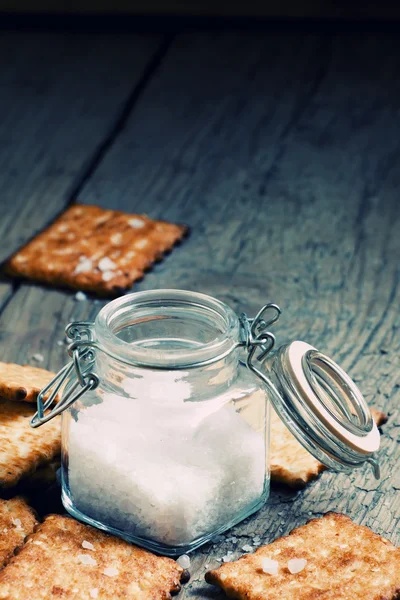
x=61, y=97
x=282, y=152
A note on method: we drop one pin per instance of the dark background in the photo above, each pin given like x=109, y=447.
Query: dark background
x=277, y=141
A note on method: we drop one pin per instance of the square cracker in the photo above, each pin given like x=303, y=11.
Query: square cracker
x=17, y=520
x=51, y=565
x=344, y=562
x=70, y=251
x=24, y=449
x=22, y=382
x=292, y=464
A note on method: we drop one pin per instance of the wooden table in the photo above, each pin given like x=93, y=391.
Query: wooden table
x=281, y=150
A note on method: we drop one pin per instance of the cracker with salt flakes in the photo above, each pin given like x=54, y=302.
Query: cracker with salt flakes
x=330, y=558
x=24, y=449
x=292, y=464
x=67, y=559
x=22, y=382
x=17, y=520
x=96, y=250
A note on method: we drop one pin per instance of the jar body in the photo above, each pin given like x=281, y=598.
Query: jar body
x=167, y=458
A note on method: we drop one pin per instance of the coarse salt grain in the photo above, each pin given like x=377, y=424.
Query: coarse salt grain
x=106, y=264
x=94, y=592
x=38, y=357
x=17, y=522
x=141, y=244
x=116, y=239
x=87, y=545
x=107, y=275
x=5, y=530
x=270, y=566
x=247, y=548
x=86, y=559
x=84, y=265
x=136, y=223
x=110, y=571
x=80, y=296
x=228, y=556
x=295, y=565
x=184, y=561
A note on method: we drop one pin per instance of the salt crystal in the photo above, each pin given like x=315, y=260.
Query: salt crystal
x=94, y=592
x=184, y=561
x=116, y=239
x=84, y=266
x=141, y=244
x=86, y=559
x=107, y=275
x=38, y=357
x=247, y=548
x=295, y=565
x=17, y=523
x=5, y=530
x=227, y=557
x=153, y=469
x=111, y=571
x=80, y=296
x=270, y=566
x=280, y=514
x=87, y=545
x=106, y=264
x=136, y=223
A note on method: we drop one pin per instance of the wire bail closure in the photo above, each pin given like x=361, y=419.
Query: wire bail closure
x=82, y=351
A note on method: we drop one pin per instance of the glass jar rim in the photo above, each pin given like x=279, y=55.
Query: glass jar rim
x=109, y=318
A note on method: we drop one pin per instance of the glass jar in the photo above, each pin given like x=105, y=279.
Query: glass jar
x=165, y=427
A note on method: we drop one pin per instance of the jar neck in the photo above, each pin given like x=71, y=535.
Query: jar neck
x=166, y=338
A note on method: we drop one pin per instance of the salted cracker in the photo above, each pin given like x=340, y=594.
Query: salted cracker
x=330, y=557
x=24, y=449
x=96, y=250
x=22, y=382
x=67, y=559
x=292, y=464
x=17, y=520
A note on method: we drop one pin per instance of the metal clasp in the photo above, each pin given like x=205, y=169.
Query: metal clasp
x=256, y=337
x=82, y=352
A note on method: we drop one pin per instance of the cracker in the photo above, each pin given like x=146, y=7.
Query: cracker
x=96, y=250
x=17, y=520
x=24, y=449
x=344, y=562
x=50, y=565
x=292, y=464
x=22, y=382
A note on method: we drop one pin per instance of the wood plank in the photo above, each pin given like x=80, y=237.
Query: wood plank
x=61, y=97
x=282, y=153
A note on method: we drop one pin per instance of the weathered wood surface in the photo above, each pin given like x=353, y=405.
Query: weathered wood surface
x=61, y=99
x=282, y=152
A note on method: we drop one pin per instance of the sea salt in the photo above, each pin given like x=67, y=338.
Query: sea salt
x=106, y=264
x=84, y=265
x=136, y=223
x=17, y=523
x=295, y=565
x=86, y=559
x=228, y=556
x=80, y=296
x=87, y=545
x=111, y=571
x=107, y=275
x=94, y=593
x=38, y=357
x=270, y=566
x=247, y=548
x=184, y=561
x=166, y=469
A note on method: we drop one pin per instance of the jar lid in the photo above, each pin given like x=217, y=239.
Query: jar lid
x=313, y=396
x=322, y=407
